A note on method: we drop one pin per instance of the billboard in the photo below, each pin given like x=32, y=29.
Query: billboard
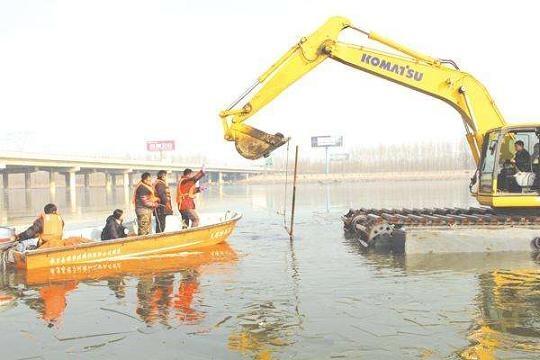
x=161, y=145
x=326, y=141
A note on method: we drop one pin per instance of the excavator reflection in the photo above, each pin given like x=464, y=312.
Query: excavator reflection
x=507, y=323
x=507, y=320
x=166, y=290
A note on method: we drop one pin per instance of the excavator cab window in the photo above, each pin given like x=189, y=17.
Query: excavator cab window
x=487, y=167
x=516, y=171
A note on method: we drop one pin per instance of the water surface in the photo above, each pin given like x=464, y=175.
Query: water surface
x=263, y=296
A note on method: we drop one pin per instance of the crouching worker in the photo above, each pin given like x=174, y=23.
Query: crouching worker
x=48, y=228
x=114, y=228
x=145, y=203
x=185, y=196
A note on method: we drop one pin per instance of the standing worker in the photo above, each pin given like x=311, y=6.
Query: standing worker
x=185, y=194
x=48, y=228
x=145, y=202
x=164, y=194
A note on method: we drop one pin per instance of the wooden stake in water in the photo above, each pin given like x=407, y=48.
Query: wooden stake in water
x=294, y=193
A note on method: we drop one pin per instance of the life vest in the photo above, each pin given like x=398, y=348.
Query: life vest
x=184, y=192
x=53, y=229
x=153, y=197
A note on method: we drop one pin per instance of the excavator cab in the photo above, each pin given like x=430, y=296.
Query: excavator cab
x=504, y=179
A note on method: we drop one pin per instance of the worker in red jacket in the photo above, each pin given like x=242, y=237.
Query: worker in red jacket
x=186, y=193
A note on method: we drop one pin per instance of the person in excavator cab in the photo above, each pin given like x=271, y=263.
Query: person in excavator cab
x=522, y=158
x=186, y=193
x=48, y=228
x=146, y=202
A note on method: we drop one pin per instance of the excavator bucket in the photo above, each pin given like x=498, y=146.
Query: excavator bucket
x=252, y=143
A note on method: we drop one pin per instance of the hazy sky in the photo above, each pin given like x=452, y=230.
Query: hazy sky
x=104, y=76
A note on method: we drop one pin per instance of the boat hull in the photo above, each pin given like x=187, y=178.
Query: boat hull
x=135, y=266
x=127, y=248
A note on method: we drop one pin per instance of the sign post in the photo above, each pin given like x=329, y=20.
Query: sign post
x=342, y=158
x=160, y=146
x=326, y=142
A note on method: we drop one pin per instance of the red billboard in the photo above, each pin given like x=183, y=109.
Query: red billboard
x=161, y=145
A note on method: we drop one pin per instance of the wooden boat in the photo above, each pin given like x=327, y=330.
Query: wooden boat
x=130, y=247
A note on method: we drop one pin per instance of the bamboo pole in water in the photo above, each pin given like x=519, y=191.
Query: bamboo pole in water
x=294, y=193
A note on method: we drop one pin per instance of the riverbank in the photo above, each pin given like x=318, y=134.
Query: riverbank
x=362, y=177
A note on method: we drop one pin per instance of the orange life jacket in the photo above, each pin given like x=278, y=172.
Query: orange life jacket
x=53, y=230
x=184, y=191
x=153, y=196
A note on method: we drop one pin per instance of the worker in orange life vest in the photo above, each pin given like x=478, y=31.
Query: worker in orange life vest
x=48, y=228
x=186, y=193
x=145, y=202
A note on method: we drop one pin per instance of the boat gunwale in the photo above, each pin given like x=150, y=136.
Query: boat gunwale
x=29, y=253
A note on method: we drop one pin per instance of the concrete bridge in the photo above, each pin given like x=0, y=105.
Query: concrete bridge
x=127, y=171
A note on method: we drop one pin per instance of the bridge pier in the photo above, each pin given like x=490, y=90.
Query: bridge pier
x=108, y=182
x=5, y=180
x=71, y=180
x=52, y=181
x=220, y=178
x=126, y=180
x=86, y=180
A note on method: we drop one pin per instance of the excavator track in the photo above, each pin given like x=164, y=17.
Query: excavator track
x=372, y=227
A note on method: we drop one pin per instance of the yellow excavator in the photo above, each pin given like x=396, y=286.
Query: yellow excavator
x=492, y=141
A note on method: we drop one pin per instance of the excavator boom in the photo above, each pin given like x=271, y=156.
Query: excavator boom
x=438, y=78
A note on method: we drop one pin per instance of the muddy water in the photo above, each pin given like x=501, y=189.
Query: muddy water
x=265, y=297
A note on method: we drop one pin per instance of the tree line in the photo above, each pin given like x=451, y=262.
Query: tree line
x=422, y=156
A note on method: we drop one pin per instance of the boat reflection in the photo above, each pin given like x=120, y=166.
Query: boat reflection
x=166, y=285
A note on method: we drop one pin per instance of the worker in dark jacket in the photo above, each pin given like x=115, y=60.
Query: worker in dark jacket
x=522, y=158
x=48, y=228
x=114, y=228
x=185, y=196
x=164, y=209
x=145, y=203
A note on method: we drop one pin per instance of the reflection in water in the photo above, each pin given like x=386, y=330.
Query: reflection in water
x=265, y=326
x=165, y=290
x=51, y=301
x=319, y=296
x=507, y=324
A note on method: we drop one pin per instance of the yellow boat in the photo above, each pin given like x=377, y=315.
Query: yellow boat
x=93, y=252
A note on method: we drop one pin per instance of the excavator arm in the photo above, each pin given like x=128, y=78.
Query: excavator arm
x=438, y=78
